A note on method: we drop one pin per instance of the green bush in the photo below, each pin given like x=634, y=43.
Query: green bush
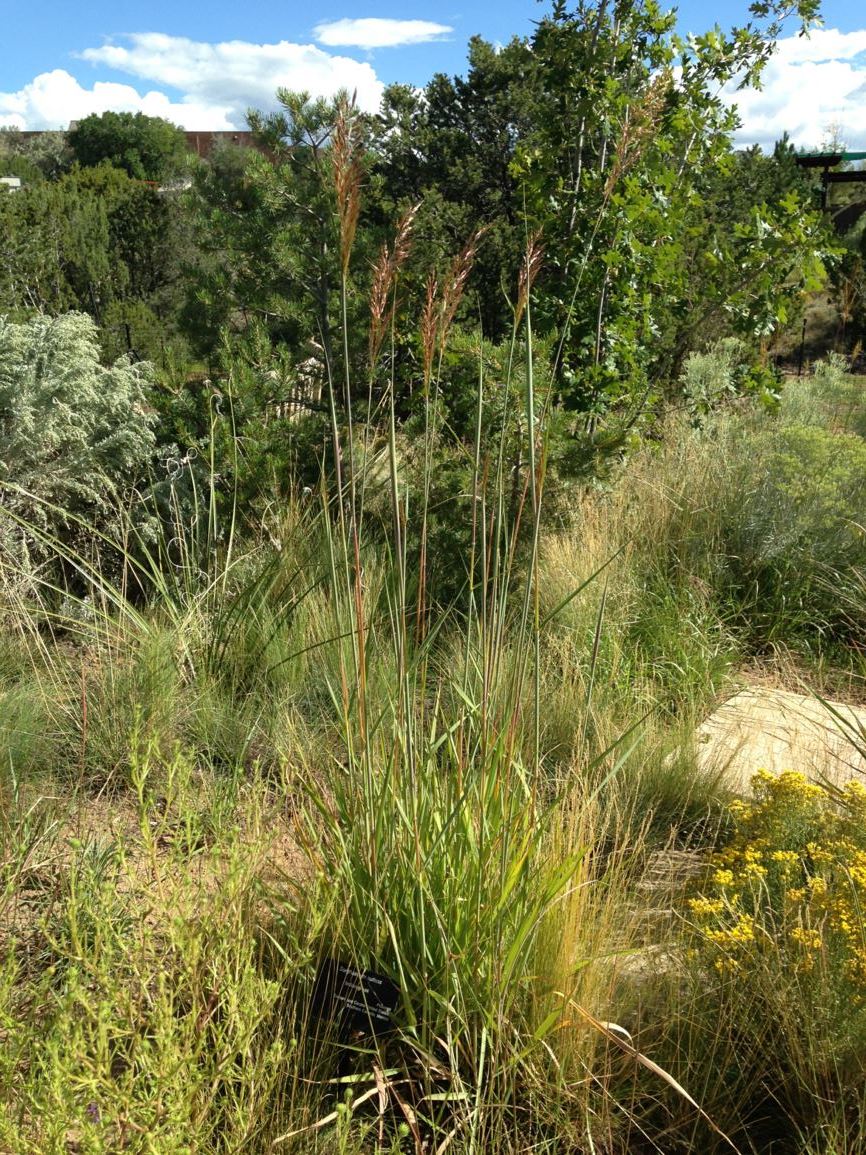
x=792, y=532
x=832, y=397
x=722, y=373
x=758, y=522
x=147, y=147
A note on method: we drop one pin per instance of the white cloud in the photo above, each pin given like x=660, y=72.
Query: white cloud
x=809, y=84
x=372, y=32
x=55, y=98
x=237, y=73
x=215, y=83
x=823, y=44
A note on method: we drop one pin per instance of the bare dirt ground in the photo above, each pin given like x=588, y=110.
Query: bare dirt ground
x=762, y=728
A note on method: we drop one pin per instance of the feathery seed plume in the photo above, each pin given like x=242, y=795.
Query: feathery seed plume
x=346, y=155
x=385, y=272
x=529, y=270
x=455, y=285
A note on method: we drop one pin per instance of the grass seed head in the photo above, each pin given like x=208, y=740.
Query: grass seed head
x=455, y=285
x=529, y=270
x=385, y=272
x=347, y=159
x=430, y=324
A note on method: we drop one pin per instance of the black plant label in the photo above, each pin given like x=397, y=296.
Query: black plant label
x=359, y=1001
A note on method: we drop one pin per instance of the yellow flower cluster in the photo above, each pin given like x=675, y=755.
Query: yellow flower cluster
x=806, y=937
x=742, y=931
x=706, y=907
x=855, y=798
x=789, y=857
x=787, y=786
x=791, y=886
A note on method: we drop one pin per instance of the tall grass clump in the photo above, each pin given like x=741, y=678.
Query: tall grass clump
x=454, y=862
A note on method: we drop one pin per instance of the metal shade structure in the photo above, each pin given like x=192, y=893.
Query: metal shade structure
x=829, y=160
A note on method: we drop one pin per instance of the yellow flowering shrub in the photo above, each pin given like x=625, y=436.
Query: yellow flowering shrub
x=789, y=890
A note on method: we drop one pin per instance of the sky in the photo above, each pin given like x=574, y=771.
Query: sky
x=203, y=66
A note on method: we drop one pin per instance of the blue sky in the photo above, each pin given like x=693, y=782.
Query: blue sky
x=203, y=66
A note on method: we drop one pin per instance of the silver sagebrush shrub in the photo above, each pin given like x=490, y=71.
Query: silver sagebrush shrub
x=74, y=434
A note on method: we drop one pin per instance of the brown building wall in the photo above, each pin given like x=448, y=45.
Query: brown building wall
x=200, y=142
